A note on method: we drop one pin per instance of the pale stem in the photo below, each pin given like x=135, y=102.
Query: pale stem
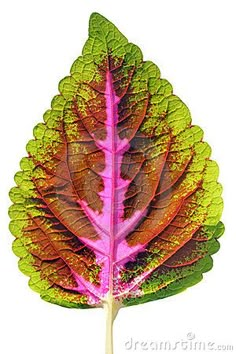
x=111, y=308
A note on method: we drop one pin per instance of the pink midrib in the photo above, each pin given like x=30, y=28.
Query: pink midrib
x=112, y=118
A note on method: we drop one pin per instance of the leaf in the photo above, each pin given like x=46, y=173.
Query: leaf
x=117, y=202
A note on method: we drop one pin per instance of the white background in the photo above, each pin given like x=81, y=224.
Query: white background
x=193, y=43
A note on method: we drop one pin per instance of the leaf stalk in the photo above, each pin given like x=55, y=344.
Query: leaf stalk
x=111, y=307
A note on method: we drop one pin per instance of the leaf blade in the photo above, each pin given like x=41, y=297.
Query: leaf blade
x=118, y=187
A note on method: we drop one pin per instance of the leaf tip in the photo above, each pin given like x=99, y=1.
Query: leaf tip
x=95, y=21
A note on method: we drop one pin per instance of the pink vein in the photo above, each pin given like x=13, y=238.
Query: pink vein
x=112, y=113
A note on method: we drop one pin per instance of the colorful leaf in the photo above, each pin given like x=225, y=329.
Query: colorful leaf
x=117, y=202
